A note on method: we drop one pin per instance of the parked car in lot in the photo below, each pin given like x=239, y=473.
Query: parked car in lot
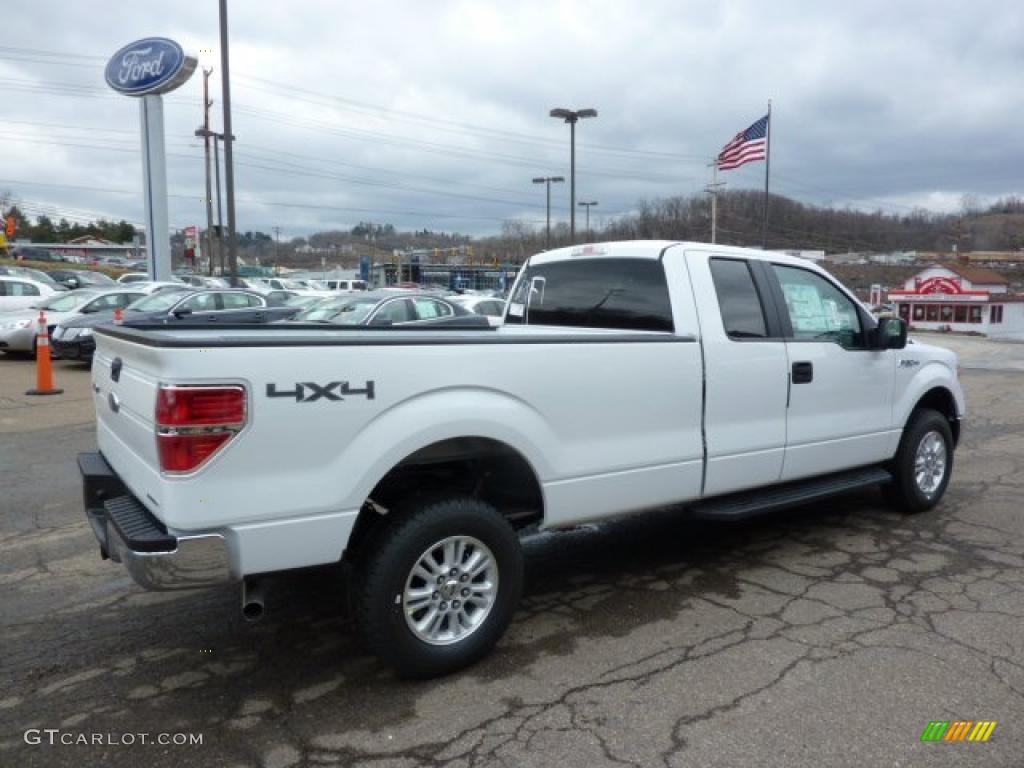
x=33, y=253
x=723, y=382
x=33, y=274
x=493, y=309
x=81, y=278
x=346, y=285
x=387, y=308
x=192, y=305
x=20, y=292
x=18, y=329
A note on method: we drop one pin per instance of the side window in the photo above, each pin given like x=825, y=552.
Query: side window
x=235, y=300
x=398, y=311
x=619, y=294
x=203, y=302
x=124, y=299
x=492, y=308
x=817, y=309
x=101, y=304
x=428, y=309
x=738, y=300
x=3, y=288
x=22, y=289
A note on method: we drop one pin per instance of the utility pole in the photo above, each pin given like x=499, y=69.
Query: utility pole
x=712, y=189
x=587, y=205
x=220, y=221
x=229, y=138
x=207, y=103
x=277, y=247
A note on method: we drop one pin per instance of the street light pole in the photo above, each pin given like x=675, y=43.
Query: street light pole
x=587, y=205
x=572, y=117
x=547, y=181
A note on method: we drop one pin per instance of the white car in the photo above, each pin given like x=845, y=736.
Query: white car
x=20, y=292
x=721, y=382
x=493, y=309
x=19, y=329
x=135, y=277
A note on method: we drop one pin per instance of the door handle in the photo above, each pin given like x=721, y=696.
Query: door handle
x=803, y=373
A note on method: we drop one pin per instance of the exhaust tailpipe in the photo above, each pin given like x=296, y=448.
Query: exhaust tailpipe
x=252, y=599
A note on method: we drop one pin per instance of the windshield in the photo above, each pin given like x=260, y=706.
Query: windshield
x=344, y=311
x=158, y=302
x=66, y=302
x=42, y=277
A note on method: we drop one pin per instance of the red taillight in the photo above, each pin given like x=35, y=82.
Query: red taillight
x=183, y=453
x=193, y=423
x=200, y=406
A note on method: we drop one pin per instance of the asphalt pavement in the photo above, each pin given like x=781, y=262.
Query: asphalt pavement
x=829, y=635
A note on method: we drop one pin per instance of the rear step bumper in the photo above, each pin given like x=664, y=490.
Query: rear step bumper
x=129, y=534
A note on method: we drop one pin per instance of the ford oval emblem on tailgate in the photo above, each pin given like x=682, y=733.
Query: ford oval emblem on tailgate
x=115, y=369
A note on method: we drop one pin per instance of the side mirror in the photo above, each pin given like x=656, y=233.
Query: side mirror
x=183, y=312
x=72, y=282
x=891, y=333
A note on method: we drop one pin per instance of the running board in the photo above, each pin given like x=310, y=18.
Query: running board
x=737, y=506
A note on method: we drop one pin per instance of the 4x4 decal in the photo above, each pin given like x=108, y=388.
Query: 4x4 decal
x=308, y=391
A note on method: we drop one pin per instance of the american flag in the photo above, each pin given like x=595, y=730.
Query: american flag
x=746, y=147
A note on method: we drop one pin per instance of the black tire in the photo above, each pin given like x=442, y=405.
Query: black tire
x=904, y=493
x=386, y=561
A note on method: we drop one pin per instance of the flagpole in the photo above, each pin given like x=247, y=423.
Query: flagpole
x=714, y=197
x=767, y=167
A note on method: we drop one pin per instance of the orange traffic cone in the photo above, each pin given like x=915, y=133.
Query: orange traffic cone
x=44, y=366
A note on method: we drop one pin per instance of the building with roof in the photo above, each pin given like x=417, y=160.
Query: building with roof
x=960, y=297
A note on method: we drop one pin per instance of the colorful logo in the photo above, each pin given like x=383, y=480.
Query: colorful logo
x=958, y=730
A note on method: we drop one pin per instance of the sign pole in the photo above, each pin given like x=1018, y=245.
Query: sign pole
x=144, y=70
x=154, y=187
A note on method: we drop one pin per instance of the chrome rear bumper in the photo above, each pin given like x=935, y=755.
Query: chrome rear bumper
x=129, y=534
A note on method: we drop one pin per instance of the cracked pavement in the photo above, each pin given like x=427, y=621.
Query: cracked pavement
x=826, y=635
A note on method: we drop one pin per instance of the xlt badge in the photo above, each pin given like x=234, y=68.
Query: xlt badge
x=308, y=391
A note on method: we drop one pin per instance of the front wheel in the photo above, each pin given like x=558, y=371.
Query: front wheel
x=436, y=588
x=923, y=463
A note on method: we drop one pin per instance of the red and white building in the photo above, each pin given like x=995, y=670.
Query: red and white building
x=960, y=298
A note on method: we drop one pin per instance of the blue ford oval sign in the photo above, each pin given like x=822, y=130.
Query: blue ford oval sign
x=147, y=66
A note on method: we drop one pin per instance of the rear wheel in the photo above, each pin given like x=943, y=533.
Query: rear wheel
x=436, y=588
x=923, y=463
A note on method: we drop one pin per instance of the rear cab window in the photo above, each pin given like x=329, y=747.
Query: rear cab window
x=616, y=294
x=738, y=299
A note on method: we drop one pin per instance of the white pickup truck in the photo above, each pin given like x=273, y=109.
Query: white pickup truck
x=626, y=377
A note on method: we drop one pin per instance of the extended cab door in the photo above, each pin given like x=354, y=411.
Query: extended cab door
x=841, y=390
x=745, y=373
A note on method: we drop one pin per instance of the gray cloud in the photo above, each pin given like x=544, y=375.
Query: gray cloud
x=435, y=114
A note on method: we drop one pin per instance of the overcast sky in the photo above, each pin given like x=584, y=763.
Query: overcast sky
x=435, y=114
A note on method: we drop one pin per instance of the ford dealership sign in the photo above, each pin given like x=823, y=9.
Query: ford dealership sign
x=149, y=66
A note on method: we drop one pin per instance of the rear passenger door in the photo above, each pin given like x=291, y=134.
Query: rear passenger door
x=841, y=390
x=745, y=369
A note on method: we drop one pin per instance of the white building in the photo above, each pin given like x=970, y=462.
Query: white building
x=960, y=298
